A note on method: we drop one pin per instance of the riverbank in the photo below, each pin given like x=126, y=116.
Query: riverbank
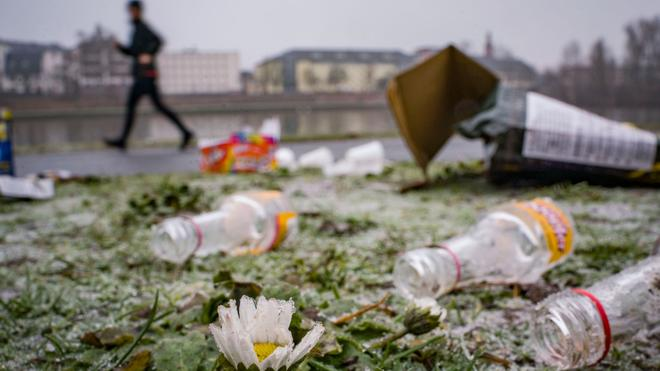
x=167, y=159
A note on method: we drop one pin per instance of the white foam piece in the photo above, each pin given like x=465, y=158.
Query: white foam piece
x=319, y=158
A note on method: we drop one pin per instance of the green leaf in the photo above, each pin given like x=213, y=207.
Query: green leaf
x=241, y=289
x=282, y=291
x=181, y=353
x=210, y=309
x=222, y=364
x=138, y=362
x=351, y=353
x=222, y=278
x=365, y=330
x=109, y=337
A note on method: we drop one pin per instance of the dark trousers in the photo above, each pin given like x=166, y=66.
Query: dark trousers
x=147, y=86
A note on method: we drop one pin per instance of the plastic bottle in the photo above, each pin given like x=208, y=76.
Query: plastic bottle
x=250, y=222
x=575, y=328
x=514, y=243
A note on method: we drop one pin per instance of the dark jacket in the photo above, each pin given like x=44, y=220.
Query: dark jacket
x=144, y=41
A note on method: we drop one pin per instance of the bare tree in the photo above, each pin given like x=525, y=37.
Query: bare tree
x=642, y=61
x=570, y=72
x=599, y=82
x=572, y=55
x=602, y=74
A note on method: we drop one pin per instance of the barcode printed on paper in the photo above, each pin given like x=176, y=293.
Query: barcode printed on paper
x=560, y=132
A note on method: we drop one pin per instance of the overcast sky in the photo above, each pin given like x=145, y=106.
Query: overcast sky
x=536, y=31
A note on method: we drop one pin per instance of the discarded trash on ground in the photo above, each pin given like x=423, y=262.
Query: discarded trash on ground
x=27, y=188
x=527, y=135
x=58, y=175
x=531, y=136
x=338, y=267
x=319, y=158
x=6, y=150
x=365, y=159
x=575, y=328
x=286, y=159
x=246, y=223
x=514, y=243
x=243, y=152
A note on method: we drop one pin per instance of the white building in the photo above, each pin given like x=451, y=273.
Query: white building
x=100, y=66
x=199, y=72
x=30, y=68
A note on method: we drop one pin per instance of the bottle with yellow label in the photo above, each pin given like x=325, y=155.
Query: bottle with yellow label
x=246, y=223
x=514, y=243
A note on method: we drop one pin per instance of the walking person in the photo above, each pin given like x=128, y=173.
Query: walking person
x=143, y=48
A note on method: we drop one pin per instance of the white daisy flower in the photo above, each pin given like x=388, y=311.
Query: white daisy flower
x=259, y=334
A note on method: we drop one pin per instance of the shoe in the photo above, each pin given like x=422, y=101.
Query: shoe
x=185, y=141
x=117, y=143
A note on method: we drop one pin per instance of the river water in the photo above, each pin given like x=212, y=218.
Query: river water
x=60, y=130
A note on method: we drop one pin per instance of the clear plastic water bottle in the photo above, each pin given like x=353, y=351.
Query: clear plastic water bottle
x=250, y=222
x=514, y=243
x=575, y=328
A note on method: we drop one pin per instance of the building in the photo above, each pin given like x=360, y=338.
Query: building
x=329, y=71
x=249, y=85
x=100, y=67
x=512, y=71
x=32, y=69
x=194, y=72
x=4, y=50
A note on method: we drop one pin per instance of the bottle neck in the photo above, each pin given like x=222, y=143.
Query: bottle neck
x=569, y=331
x=207, y=229
x=426, y=272
x=450, y=257
x=461, y=251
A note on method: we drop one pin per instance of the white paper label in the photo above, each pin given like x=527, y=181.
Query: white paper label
x=560, y=132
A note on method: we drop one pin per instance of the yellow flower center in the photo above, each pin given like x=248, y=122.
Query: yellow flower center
x=263, y=350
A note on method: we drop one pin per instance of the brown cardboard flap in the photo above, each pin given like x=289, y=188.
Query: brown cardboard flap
x=429, y=98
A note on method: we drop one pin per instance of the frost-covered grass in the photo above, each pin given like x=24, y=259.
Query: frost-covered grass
x=77, y=279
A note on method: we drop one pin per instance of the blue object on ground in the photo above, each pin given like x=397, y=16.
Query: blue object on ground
x=6, y=152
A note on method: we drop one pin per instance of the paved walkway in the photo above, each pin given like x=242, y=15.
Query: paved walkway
x=167, y=160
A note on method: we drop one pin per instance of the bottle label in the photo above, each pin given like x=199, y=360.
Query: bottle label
x=556, y=226
x=557, y=131
x=284, y=223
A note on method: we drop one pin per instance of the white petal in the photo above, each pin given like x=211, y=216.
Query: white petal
x=277, y=359
x=235, y=319
x=236, y=342
x=220, y=343
x=282, y=336
x=265, y=322
x=248, y=312
x=224, y=345
x=306, y=344
x=246, y=348
x=286, y=309
x=230, y=339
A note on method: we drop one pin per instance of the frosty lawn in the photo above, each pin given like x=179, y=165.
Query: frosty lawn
x=78, y=281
